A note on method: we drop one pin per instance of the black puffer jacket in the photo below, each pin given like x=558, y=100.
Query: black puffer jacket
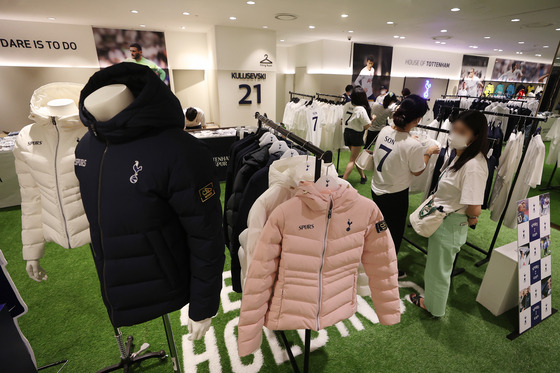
x=151, y=196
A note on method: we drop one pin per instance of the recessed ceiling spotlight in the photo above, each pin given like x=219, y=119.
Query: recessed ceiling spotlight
x=396, y=36
x=51, y=18
x=285, y=17
x=444, y=30
x=350, y=31
x=265, y=26
x=344, y=15
x=183, y=27
x=311, y=27
x=232, y=18
x=538, y=55
x=520, y=42
x=251, y=3
x=438, y=42
x=142, y=25
x=500, y=50
x=455, y=9
x=487, y=37
x=282, y=40
x=475, y=46
x=133, y=11
x=443, y=43
x=558, y=29
x=186, y=14
x=515, y=20
x=545, y=46
x=390, y=22
x=401, y=37
x=495, y=49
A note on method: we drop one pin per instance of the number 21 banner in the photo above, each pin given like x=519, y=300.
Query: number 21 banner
x=534, y=254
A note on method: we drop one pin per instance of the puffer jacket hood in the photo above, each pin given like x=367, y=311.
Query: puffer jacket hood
x=304, y=271
x=154, y=107
x=51, y=205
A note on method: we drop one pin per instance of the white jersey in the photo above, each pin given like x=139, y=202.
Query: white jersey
x=365, y=80
x=457, y=190
x=395, y=157
x=314, y=124
x=472, y=86
x=512, y=76
x=355, y=117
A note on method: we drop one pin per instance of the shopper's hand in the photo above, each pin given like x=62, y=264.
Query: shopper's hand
x=35, y=271
x=434, y=149
x=197, y=329
x=472, y=221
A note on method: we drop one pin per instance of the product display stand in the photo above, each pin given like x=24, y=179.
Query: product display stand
x=513, y=335
x=129, y=358
x=320, y=155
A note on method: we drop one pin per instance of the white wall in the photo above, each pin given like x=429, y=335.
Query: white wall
x=187, y=51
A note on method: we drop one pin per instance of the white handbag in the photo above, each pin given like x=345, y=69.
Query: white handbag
x=365, y=159
x=427, y=218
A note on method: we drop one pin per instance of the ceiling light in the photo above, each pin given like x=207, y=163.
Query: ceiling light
x=142, y=25
x=311, y=27
x=350, y=31
x=487, y=37
x=515, y=20
x=438, y=42
x=520, y=42
x=545, y=46
x=443, y=30
x=285, y=17
x=500, y=50
x=443, y=43
x=455, y=9
x=401, y=37
x=396, y=36
x=186, y=14
x=51, y=18
x=344, y=15
x=282, y=40
x=495, y=49
x=182, y=27
x=232, y=18
x=265, y=26
x=251, y=3
x=475, y=46
x=538, y=55
x=558, y=29
x=134, y=11
x=390, y=22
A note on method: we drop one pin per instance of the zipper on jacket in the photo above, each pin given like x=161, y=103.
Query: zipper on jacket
x=99, y=224
x=329, y=215
x=56, y=182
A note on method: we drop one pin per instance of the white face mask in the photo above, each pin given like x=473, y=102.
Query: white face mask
x=458, y=142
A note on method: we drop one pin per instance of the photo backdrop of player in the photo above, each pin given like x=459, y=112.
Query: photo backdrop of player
x=114, y=46
x=520, y=71
x=473, y=72
x=534, y=261
x=371, y=67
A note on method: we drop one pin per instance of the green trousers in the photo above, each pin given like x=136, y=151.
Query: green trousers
x=443, y=247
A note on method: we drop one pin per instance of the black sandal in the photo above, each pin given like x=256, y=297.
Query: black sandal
x=415, y=299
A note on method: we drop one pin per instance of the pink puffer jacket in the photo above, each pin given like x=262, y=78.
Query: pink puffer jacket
x=303, y=274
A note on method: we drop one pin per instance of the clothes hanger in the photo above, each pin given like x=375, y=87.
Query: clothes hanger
x=278, y=146
x=327, y=182
x=266, y=61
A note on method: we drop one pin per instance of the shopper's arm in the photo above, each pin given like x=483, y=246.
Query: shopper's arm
x=473, y=212
x=434, y=149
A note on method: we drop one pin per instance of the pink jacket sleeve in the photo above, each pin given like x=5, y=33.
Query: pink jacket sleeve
x=259, y=284
x=380, y=263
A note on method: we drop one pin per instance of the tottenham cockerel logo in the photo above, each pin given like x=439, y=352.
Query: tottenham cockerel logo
x=136, y=168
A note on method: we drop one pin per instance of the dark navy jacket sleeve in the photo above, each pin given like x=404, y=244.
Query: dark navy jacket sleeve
x=194, y=194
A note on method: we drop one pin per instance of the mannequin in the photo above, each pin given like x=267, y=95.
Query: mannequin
x=61, y=107
x=104, y=104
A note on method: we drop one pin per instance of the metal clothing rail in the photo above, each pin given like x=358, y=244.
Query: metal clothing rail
x=340, y=97
x=492, y=98
x=299, y=94
x=320, y=155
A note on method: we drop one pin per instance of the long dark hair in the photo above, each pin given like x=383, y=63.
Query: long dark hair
x=412, y=108
x=477, y=122
x=359, y=98
x=389, y=99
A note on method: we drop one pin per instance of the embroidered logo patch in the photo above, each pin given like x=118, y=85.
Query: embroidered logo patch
x=136, y=168
x=207, y=192
x=381, y=226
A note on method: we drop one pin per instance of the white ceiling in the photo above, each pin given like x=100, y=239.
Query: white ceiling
x=417, y=20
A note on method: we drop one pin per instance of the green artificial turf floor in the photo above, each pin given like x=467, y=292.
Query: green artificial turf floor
x=67, y=320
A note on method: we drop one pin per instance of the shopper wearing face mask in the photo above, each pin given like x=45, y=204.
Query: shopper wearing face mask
x=397, y=157
x=460, y=193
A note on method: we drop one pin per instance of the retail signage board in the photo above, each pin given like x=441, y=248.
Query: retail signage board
x=534, y=261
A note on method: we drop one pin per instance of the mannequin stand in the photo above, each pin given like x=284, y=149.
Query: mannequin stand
x=129, y=358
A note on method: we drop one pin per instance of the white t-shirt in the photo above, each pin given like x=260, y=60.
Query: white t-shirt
x=355, y=117
x=512, y=76
x=365, y=80
x=458, y=190
x=200, y=120
x=314, y=123
x=381, y=116
x=395, y=156
x=472, y=86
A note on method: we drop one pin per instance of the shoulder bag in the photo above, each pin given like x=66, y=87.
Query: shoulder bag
x=365, y=159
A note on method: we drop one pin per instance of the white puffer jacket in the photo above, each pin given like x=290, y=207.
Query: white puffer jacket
x=51, y=205
x=282, y=185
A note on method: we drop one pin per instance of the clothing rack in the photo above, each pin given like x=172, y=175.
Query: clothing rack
x=491, y=98
x=340, y=97
x=299, y=94
x=532, y=131
x=320, y=155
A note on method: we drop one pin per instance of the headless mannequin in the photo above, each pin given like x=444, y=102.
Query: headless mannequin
x=104, y=104
x=62, y=107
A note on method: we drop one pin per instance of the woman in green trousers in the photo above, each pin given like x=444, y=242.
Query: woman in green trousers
x=460, y=193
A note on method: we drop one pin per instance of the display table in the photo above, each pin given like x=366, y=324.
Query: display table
x=9, y=186
x=219, y=142
x=498, y=292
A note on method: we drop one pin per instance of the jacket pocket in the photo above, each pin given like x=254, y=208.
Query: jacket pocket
x=165, y=260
